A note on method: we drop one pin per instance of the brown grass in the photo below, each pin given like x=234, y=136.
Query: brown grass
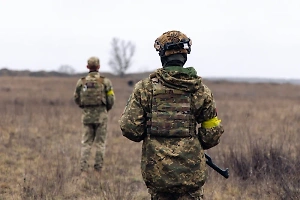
x=41, y=131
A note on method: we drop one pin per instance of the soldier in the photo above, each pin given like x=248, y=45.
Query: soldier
x=163, y=111
x=95, y=96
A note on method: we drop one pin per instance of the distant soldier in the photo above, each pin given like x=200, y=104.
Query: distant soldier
x=95, y=96
x=163, y=111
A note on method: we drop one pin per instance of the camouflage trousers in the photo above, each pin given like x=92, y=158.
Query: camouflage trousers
x=93, y=134
x=195, y=195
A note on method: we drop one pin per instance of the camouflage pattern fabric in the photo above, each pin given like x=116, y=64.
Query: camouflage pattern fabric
x=93, y=134
x=94, y=116
x=173, y=164
x=92, y=91
x=170, y=164
x=179, y=41
x=171, y=112
x=210, y=137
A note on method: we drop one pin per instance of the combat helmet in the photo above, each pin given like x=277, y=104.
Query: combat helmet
x=172, y=42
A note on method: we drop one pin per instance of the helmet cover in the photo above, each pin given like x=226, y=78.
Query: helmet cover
x=172, y=42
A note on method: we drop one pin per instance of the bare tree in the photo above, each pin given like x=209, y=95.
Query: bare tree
x=121, y=56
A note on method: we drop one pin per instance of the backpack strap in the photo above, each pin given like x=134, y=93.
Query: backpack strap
x=154, y=80
x=83, y=80
x=101, y=79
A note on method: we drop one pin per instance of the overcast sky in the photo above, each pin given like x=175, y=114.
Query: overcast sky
x=231, y=38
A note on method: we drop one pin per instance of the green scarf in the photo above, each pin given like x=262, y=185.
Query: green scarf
x=190, y=71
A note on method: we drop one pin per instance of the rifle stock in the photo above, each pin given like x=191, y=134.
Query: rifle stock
x=209, y=162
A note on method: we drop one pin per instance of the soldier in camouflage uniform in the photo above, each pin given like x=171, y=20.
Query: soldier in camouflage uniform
x=163, y=111
x=95, y=96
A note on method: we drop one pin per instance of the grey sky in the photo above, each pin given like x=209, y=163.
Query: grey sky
x=235, y=38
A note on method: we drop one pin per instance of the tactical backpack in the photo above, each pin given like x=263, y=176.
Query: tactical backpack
x=92, y=91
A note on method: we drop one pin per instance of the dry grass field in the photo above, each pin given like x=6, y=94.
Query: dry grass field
x=40, y=132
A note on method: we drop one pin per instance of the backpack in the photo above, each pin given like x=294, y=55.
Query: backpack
x=92, y=91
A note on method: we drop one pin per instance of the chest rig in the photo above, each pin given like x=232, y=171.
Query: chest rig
x=171, y=114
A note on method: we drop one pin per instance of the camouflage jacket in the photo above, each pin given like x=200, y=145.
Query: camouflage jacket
x=162, y=163
x=95, y=114
x=162, y=167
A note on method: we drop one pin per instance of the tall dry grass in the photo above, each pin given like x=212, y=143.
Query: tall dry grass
x=41, y=131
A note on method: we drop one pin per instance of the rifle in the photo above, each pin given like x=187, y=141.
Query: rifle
x=210, y=163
